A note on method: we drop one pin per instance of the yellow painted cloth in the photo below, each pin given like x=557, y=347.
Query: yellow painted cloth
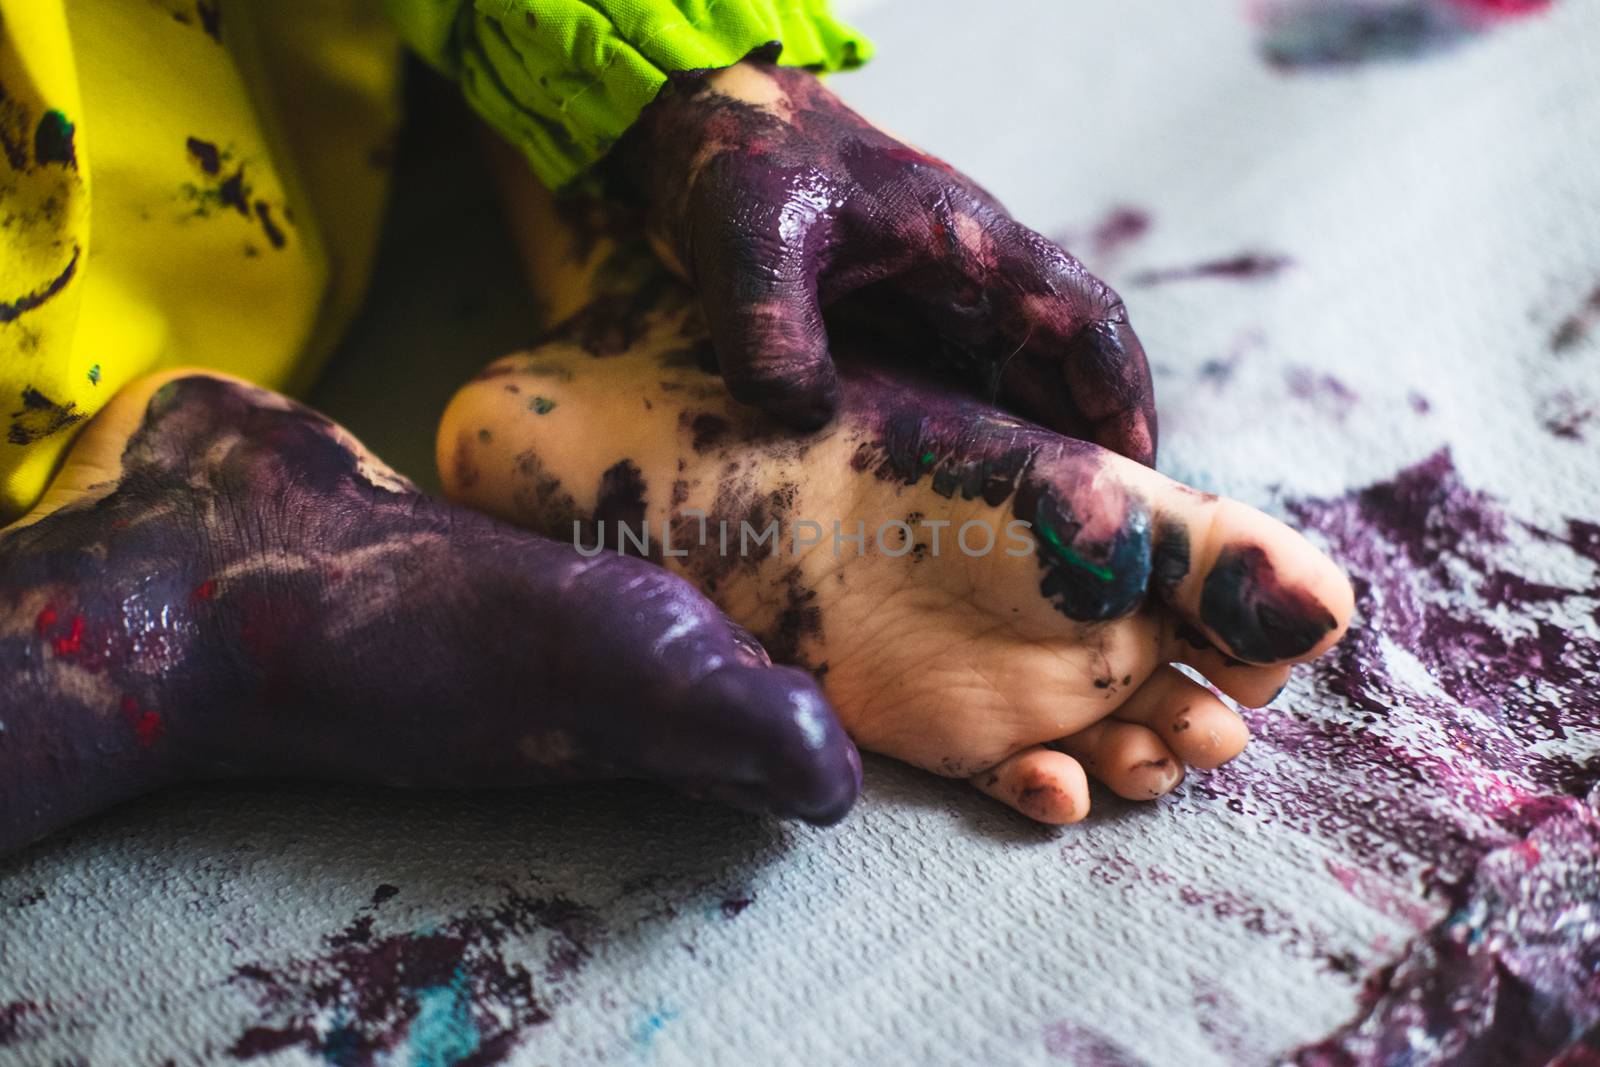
x=181, y=182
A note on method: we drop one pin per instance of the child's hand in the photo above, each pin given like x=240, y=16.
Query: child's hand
x=775, y=199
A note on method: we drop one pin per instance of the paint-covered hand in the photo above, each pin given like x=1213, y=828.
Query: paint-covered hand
x=775, y=199
x=225, y=583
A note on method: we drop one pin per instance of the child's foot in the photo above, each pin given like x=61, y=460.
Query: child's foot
x=222, y=582
x=948, y=649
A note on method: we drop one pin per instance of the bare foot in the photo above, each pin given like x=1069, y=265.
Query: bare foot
x=221, y=582
x=1016, y=599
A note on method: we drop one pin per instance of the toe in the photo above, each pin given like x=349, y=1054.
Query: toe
x=1200, y=729
x=1252, y=685
x=1259, y=590
x=1254, y=587
x=1130, y=759
x=1041, y=783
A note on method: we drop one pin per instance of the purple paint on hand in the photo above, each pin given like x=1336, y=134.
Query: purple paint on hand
x=777, y=211
x=251, y=597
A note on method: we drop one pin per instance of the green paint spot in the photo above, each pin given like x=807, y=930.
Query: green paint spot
x=541, y=405
x=443, y=1032
x=1105, y=574
x=94, y=374
x=927, y=458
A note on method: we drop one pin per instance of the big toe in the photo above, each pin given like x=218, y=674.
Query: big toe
x=771, y=742
x=1258, y=590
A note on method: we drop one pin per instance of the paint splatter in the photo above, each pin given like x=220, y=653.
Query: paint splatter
x=1324, y=391
x=709, y=430
x=1104, y=242
x=53, y=141
x=14, y=1018
x=275, y=236
x=1577, y=326
x=649, y=1025
x=1084, y=1046
x=1451, y=641
x=621, y=507
x=210, y=12
x=1246, y=266
x=11, y=310
x=1316, y=34
x=1566, y=415
x=1508, y=976
x=145, y=723
x=460, y=992
x=205, y=154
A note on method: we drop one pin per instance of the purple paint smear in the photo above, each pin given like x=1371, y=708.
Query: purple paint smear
x=359, y=999
x=1578, y=325
x=1244, y=267
x=1313, y=34
x=1323, y=391
x=1104, y=242
x=1468, y=749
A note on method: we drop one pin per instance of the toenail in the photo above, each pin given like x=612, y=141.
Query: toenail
x=1035, y=801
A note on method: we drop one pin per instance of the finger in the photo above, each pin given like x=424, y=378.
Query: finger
x=1131, y=760
x=755, y=266
x=1082, y=363
x=1041, y=783
x=774, y=743
x=1056, y=339
x=1201, y=730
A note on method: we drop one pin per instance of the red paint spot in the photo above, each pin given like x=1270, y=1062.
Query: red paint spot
x=1505, y=8
x=205, y=590
x=146, y=724
x=72, y=643
x=47, y=619
x=148, y=728
x=119, y=524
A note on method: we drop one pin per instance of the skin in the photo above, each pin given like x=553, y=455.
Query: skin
x=1016, y=673
x=222, y=583
x=775, y=201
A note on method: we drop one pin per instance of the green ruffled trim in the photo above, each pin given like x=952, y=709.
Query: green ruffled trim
x=563, y=79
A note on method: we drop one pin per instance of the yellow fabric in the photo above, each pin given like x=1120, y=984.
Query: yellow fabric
x=181, y=182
